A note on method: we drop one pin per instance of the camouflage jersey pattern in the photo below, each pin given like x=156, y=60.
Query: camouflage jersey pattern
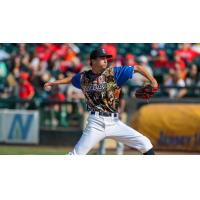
x=101, y=91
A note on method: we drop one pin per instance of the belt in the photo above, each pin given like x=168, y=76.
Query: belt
x=105, y=114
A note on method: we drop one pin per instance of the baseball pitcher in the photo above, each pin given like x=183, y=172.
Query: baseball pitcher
x=101, y=87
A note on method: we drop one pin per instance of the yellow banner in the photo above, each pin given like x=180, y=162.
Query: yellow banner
x=170, y=126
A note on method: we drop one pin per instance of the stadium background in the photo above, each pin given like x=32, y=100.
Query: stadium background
x=62, y=111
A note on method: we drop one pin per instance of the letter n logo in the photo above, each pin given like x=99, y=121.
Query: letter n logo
x=19, y=128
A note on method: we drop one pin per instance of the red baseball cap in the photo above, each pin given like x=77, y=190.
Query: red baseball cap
x=24, y=76
x=161, y=53
x=129, y=56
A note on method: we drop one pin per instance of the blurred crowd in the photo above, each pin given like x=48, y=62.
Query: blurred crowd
x=24, y=68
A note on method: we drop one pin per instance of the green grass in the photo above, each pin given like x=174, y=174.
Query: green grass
x=45, y=150
x=31, y=150
x=51, y=150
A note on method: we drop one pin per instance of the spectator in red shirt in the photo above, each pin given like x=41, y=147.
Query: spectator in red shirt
x=52, y=47
x=129, y=60
x=160, y=66
x=161, y=61
x=26, y=90
x=179, y=65
x=110, y=49
x=56, y=95
x=186, y=52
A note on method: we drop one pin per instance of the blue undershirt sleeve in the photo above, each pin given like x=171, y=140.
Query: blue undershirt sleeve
x=122, y=74
x=76, y=81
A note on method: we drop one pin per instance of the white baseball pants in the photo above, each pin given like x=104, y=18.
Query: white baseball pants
x=100, y=127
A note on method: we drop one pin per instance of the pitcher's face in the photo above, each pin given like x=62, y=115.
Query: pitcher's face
x=100, y=63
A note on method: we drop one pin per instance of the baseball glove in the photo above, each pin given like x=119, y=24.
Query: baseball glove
x=145, y=92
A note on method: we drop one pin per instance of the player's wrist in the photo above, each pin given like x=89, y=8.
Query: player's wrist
x=154, y=83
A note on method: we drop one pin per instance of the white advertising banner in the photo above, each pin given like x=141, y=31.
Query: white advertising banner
x=19, y=126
